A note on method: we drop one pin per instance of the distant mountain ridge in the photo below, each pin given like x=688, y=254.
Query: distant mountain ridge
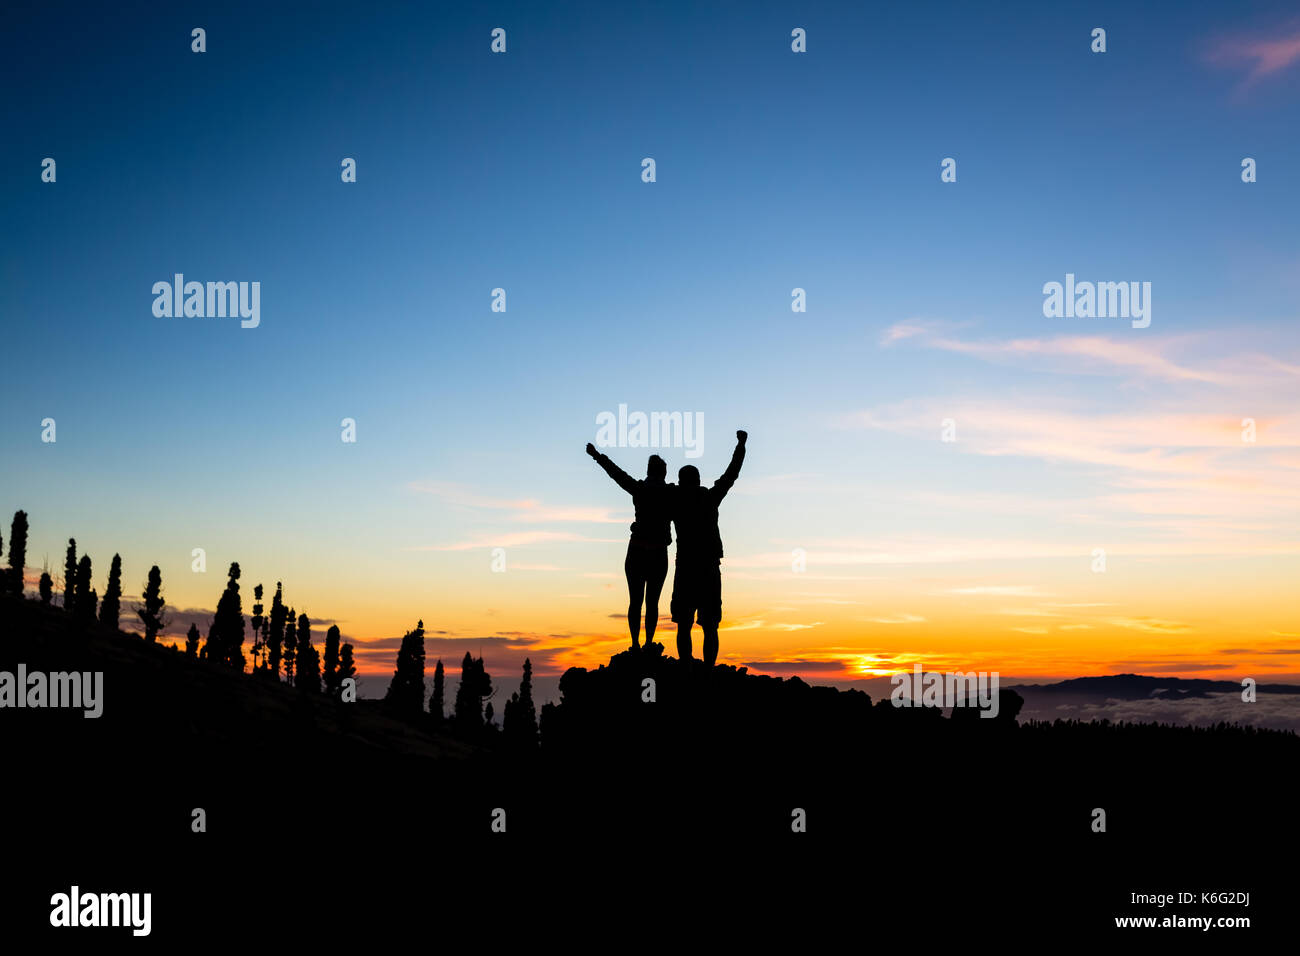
x=1143, y=687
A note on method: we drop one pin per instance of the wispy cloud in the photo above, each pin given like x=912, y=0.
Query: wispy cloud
x=760, y=625
x=505, y=512
x=519, y=509
x=1152, y=463
x=1263, y=56
x=511, y=540
x=1001, y=590
x=1150, y=624
x=914, y=549
x=1085, y=354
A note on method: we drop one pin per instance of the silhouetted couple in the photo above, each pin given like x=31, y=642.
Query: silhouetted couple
x=697, y=579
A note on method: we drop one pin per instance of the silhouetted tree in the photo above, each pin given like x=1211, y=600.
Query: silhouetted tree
x=346, y=667
x=437, y=701
x=258, y=620
x=17, y=552
x=112, y=608
x=520, y=723
x=275, y=636
x=468, y=713
x=70, y=576
x=308, y=678
x=226, y=636
x=192, y=641
x=290, y=647
x=86, y=599
x=487, y=717
x=150, y=613
x=332, y=637
x=406, y=691
x=47, y=587
x=475, y=687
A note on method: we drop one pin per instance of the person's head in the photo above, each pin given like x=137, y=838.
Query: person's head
x=656, y=468
x=688, y=476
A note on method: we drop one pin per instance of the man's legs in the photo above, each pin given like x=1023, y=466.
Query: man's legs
x=710, y=600
x=710, y=644
x=682, y=607
x=684, y=640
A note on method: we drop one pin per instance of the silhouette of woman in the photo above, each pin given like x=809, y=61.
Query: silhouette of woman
x=646, y=564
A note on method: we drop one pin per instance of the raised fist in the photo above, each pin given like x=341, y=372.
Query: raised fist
x=741, y=436
x=591, y=450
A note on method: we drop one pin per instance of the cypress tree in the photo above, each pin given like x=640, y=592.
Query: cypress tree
x=275, y=636
x=151, y=612
x=112, y=608
x=47, y=588
x=308, y=678
x=290, y=647
x=258, y=620
x=346, y=667
x=70, y=576
x=192, y=641
x=468, y=716
x=475, y=687
x=520, y=724
x=406, y=691
x=437, y=702
x=226, y=636
x=484, y=680
x=17, y=552
x=86, y=599
x=332, y=638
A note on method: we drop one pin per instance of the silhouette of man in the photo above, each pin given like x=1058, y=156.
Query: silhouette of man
x=697, y=578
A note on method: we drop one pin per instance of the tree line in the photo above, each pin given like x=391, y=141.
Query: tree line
x=472, y=714
x=282, y=648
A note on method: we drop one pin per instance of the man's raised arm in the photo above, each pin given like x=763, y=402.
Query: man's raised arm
x=723, y=484
x=624, y=480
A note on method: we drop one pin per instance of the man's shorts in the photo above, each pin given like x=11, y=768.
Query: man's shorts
x=697, y=591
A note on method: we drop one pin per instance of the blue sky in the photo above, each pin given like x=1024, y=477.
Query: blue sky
x=522, y=171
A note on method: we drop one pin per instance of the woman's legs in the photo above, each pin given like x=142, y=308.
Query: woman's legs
x=636, y=585
x=654, y=584
x=646, y=569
